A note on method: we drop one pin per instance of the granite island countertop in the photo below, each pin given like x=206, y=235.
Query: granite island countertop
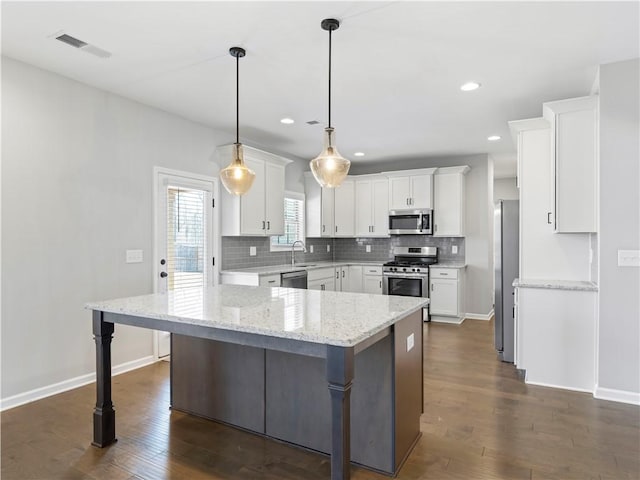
x=556, y=284
x=330, y=318
x=275, y=269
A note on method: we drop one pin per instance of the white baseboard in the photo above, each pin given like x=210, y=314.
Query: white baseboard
x=622, y=396
x=562, y=387
x=480, y=316
x=70, y=384
x=453, y=320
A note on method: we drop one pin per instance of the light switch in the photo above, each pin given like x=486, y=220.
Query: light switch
x=629, y=258
x=410, y=342
x=328, y=248
x=252, y=251
x=368, y=248
x=134, y=256
x=454, y=249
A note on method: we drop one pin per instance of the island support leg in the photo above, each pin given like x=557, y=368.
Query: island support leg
x=340, y=375
x=104, y=416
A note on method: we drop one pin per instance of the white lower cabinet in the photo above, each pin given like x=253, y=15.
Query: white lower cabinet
x=555, y=337
x=372, y=280
x=445, y=285
x=270, y=280
x=322, y=279
x=355, y=279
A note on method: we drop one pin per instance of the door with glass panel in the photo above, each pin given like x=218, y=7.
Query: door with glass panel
x=185, y=258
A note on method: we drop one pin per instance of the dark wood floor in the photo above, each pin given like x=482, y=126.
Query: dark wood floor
x=481, y=422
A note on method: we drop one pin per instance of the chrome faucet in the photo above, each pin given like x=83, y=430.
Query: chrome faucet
x=293, y=251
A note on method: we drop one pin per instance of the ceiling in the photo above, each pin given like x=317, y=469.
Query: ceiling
x=397, y=66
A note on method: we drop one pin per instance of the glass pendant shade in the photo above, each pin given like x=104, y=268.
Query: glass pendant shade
x=330, y=168
x=237, y=178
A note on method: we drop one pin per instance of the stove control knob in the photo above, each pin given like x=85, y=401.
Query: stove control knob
x=404, y=269
x=416, y=270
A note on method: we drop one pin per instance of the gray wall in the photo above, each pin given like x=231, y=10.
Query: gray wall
x=479, y=221
x=77, y=166
x=619, y=315
x=505, y=189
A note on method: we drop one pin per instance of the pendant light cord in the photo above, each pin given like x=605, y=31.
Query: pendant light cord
x=329, y=78
x=237, y=99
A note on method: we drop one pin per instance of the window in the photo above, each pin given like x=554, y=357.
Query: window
x=293, y=223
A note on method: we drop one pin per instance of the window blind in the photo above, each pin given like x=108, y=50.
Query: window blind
x=293, y=222
x=186, y=231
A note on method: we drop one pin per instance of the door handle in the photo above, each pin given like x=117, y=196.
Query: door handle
x=163, y=274
x=163, y=261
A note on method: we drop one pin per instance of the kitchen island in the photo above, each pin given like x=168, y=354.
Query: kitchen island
x=340, y=373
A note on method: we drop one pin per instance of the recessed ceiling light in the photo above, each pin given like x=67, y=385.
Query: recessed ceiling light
x=358, y=154
x=287, y=121
x=494, y=138
x=469, y=86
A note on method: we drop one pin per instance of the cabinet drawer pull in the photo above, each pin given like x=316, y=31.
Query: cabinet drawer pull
x=272, y=281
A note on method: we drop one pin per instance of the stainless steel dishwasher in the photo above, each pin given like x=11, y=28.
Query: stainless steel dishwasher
x=296, y=279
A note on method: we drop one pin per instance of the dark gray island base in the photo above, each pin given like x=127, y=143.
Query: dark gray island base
x=284, y=395
x=335, y=372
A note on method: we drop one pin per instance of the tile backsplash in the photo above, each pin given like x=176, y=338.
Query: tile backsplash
x=235, y=250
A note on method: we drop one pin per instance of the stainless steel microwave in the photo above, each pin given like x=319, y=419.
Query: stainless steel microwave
x=411, y=222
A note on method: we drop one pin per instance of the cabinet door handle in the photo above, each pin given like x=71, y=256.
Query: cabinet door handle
x=549, y=218
x=336, y=228
x=342, y=273
x=373, y=228
x=323, y=226
x=268, y=225
x=432, y=285
x=337, y=275
x=435, y=228
x=263, y=224
x=407, y=200
x=380, y=283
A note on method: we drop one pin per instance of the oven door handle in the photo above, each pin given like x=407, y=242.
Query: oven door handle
x=402, y=275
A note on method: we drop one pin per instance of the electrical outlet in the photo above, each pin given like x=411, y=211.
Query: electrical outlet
x=454, y=249
x=410, y=342
x=252, y=251
x=328, y=248
x=629, y=258
x=133, y=256
x=368, y=248
x=311, y=249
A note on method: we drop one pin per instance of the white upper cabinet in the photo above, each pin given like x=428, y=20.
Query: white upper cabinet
x=260, y=211
x=411, y=189
x=573, y=163
x=449, y=202
x=320, y=208
x=372, y=207
x=344, y=209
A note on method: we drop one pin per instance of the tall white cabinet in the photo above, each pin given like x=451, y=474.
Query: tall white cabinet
x=319, y=205
x=372, y=206
x=260, y=211
x=573, y=127
x=344, y=209
x=449, y=202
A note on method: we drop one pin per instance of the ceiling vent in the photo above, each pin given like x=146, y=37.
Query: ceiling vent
x=84, y=46
x=313, y=122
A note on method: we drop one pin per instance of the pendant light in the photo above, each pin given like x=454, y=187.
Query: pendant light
x=330, y=168
x=237, y=178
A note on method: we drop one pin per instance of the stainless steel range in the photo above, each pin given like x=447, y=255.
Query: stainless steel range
x=408, y=273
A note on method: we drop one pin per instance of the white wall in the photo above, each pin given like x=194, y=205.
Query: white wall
x=479, y=221
x=505, y=189
x=619, y=310
x=77, y=168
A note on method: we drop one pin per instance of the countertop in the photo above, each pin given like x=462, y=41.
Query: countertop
x=556, y=284
x=330, y=318
x=275, y=269
x=449, y=265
